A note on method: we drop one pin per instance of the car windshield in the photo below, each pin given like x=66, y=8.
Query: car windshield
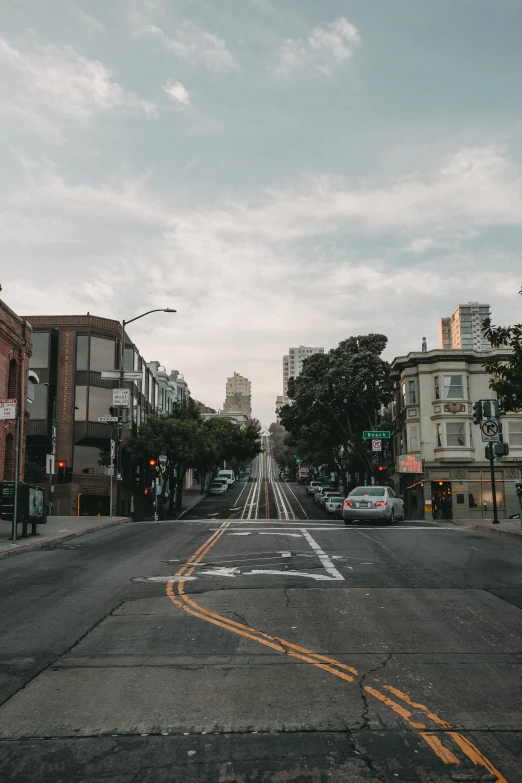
x=374, y=492
x=335, y=499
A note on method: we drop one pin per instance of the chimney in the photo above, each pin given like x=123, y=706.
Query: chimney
x=424, y=345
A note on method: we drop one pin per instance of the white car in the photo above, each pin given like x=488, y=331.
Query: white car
x=218, y=488
x=229, y=475
x=373, y=503
x=312, y=486
x=333, y=503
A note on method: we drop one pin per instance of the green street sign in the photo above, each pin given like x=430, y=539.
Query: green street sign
x=376, y=434
x=298, y=460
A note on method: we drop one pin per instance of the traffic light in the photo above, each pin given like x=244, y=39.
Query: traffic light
x=486, y=409
x=146, y=491
x=518, y=487
x=477, y=412
x=501, y=449
x=61, y=472
x=153, y=463
x=380, y=468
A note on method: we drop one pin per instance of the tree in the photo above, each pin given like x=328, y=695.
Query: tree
x=337, y=396
x=506, y=378
x=178, y=436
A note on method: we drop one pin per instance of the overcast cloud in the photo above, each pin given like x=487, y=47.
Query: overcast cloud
x=294, y=173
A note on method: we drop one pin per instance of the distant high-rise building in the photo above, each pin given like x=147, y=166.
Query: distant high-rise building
x=293, y=364
x=463, y=330
x=238, y=395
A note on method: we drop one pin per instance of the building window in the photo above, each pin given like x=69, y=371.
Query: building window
x=436, y=387
x=453, y=389
x=515, y=433
x=128, y=359
x=82, y=352
x=413, y=437
x=86, y=460
x=103, y=354
x=40, y=355
x=100, y=401
x=80, y=403
x=403, y=394
x=411, y=393
x=439, y=436
x=455, y=433
x=38, y=408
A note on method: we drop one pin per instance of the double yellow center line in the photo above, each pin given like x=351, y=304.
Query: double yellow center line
x=437, y=736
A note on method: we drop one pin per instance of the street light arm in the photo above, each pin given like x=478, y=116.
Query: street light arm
x=158, y=310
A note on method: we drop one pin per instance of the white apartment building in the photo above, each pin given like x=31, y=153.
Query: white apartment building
x=463, y=329
x=238, y=395
x=172, y=388
x=293, y=364
x=433, y=421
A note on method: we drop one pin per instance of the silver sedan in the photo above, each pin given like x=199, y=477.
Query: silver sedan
x=373, y=503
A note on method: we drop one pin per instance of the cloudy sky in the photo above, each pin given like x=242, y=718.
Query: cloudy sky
x=279, y=171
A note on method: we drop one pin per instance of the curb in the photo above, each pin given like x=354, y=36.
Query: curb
x=497, y=531
x=191, y=506
x=49, y=542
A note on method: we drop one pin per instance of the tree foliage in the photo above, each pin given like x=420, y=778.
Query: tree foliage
x=506, y=378
x=189, y=442
x=336, y=397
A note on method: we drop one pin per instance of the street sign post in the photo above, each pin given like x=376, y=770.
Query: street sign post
x=7, y=409
x=376, y=434
x=50, y=464
x=107, y=419
x=376, y=445
x=490, y=430
x=121, y=398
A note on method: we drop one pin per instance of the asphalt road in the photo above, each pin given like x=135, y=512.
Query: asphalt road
x=263, y=643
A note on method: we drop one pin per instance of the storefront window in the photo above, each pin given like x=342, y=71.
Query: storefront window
x=459, y=493
x=38, y=408
x=453, y=389
x=80, y=403
x=479, y=492
x=103, y=354
x=455, y=433
x=100, y=401
x=82, y=352
x=40, y=355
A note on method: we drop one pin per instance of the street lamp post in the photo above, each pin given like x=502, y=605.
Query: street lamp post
x=122, y=380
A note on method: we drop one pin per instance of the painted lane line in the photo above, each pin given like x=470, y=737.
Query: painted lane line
x=239, y=534
x=222, y=571
x=292, y=535
x=323, y=557
x=296, y=500
x=317, y=577
x=286, y=648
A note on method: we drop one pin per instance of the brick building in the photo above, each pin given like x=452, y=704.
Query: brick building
x=69, y=355
x=15, y=351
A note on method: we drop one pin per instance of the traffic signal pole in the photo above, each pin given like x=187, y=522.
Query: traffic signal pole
x=493, y=485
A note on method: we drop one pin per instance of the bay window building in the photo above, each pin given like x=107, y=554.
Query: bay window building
x=433, y=420
x=69, y=355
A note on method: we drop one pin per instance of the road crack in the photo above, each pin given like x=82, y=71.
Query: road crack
x=365, y=725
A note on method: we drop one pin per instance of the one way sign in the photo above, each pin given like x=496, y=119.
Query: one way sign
x=490, y=431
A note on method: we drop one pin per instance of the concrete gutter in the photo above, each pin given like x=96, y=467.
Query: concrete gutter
x=510, y=532
x=49, y=543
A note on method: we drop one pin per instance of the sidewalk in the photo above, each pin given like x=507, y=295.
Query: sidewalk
x=56, y=530
x=506, y=527
x=191, y=497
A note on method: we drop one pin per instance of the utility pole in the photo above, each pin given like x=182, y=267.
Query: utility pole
x=490, y=449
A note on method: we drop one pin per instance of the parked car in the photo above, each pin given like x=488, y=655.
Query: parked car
x=312, y=486
x=320, y=491
x=223, y=481
x=333, y=503
x=373, y=503
x=218, y=488
x=324, y=496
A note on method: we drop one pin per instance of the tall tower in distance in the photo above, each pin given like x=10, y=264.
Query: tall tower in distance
x=293, y=364
x=463, y=330
x=238, y=395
